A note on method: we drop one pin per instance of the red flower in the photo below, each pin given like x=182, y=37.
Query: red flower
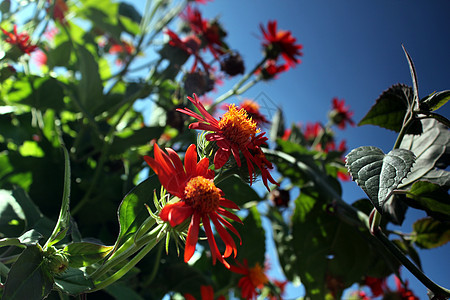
x=40, y=58
x=403, y=291
x=200, y=200
x=123, y=49
x=211, y=32
x=190, y=45
x=312, y=131
x=281, y=286
x=235, y=133
x=340, y=115
x=376, y=285
x=252, y=109
x=280, y=42
x=59, y=10
x=21, y=40
x=270, y=70
x=207, y=293
x=253, y=280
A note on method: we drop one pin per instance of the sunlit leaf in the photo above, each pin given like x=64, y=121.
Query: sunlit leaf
x=73, y=281
x=90, y=88
x=84, y=254
x=430, y=197
x=431, y=150
x=434, y=101
x=430, y=233
x=378, y=174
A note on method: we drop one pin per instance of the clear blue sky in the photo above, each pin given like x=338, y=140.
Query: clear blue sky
x=352, y=50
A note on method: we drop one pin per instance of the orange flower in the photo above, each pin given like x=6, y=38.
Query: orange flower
x=207, y=293
x=252, y=109
x=200, y=200
x=280, y=42
x=253, y=280
x=234, y=133
x=21, y=40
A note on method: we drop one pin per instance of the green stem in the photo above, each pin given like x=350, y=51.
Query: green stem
x=436, y=289
x=116, y=276
x=155, y=266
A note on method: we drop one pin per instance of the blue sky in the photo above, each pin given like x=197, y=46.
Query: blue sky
x=352, y=50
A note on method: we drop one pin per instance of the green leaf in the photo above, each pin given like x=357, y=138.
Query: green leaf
x=32, y=213
x=430, y=233
x=430, y=197
x=129, y=11
x=132, y=212
x=84, y=254
x=408, y=249
x=120, y=290
x=62, y=225
x=390, y=108
x=90, y=88
x=430, y=148
x=27, y=278
x=12, y=217
x=73, y=281
x=137, y=138
x=31, y=148
x=434, y=101
x=238, y=191
x=253, y=239
x=60, y=55
x=31, y=237
x=412, y=69
x=378, y=174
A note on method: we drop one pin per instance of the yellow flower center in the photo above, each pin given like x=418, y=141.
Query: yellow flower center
x=202, y=194
x=237, y=126
x=257, y=276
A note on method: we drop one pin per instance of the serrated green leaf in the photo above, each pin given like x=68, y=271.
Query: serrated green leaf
x=27, y=278
x=378, y=174
x=73, y=281
x=430, y=233
x=390, y=108
x=430, y=197
x=430, y=148
x=434, y=101
x=84, y=253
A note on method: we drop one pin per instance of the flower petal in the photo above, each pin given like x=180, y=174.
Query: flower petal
x=192, y=237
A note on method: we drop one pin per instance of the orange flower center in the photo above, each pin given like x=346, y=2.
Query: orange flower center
x=202, y=194
x=257, y=276
x=250, y=106
x=237, y=126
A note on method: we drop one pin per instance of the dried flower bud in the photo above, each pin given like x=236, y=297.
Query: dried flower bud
x=198, y=83
x=232, y=64
x=280, y=197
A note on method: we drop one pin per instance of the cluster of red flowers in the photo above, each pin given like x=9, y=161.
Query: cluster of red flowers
x=20, y=40
x=341, y=115
x=199, y=200
x=379, y=287
x=278, y=43
x=59, y=9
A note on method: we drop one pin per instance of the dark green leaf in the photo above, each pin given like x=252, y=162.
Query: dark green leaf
x=120, y=290
x=431, y=148
x=129, y=11
x=73, y=281
x=84, y=254
x=30, y=210
x=12, y=217
x=430, y=233
x=132, y=212
x=390, y=108
x=27, y=278
x=434, y=101
x=238, y=191
x=412, y=70
x=137, y=138
x=59, y=56
x=90, y=88
x=408, y=249
x=253, y=239
x=430, y=197
x=379, y=174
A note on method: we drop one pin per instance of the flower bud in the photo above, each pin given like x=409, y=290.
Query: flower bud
x=56, y=260
x=232, y=64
